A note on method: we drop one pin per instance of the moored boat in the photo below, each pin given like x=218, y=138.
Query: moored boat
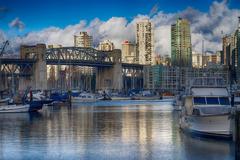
x=206, y=108
x=13, y=108
x=4, y=101
x=84, y=97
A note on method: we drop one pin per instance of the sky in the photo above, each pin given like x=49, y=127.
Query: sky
x=56, y=21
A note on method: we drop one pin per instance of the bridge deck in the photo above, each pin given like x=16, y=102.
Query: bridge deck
x=24, y=66
x=17, y=61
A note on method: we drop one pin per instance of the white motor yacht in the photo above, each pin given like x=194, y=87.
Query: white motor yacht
x=207, y=109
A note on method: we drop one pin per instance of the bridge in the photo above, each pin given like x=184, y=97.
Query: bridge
x=31, y=67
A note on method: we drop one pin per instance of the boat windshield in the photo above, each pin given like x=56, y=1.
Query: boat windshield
x=212, y=100
x=199, y=100
x=224, y=101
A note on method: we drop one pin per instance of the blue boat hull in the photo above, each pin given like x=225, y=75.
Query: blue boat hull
x=59, y=97
x=35, y=105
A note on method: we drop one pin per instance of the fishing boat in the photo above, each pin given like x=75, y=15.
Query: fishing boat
x=206, y=108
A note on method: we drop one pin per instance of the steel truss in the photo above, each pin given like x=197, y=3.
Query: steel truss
x=20, y=67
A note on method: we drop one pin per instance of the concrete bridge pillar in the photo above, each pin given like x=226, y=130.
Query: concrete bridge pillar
x=39, y=78
x=3, y=80
x=109, y=78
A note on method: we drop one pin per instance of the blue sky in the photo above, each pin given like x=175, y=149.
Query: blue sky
x=39, y=14
x=57, y=21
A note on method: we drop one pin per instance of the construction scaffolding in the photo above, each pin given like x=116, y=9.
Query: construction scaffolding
x=175, y=79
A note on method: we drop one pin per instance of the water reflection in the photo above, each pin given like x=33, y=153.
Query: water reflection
x=104, y=132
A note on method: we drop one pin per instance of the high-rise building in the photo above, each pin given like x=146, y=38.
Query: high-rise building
x=129, y=52
x=237, y=33
x=231, y=52
x=229, y=49
x=106, y=45
x=83, y=40
x=181, y=47
x=144, y=42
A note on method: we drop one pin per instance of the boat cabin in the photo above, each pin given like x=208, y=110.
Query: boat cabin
x=207, y=101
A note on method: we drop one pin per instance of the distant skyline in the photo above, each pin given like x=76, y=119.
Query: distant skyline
x=29, y=22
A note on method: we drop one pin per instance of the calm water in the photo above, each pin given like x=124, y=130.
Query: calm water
x=123, y=130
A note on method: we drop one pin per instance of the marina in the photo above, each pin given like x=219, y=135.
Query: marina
x=121, y=130
x=122, y=80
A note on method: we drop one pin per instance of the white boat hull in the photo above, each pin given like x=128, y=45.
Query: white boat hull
x=14, y=108
x=216, y=125
x=79, y=100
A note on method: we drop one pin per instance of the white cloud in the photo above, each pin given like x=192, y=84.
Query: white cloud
x=17, y=23
x=206, y=26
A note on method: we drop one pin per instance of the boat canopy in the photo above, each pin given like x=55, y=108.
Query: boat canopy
x=209, y=91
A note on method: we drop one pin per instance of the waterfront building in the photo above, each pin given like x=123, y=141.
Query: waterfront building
x=157, y=71
x=173, y=79
x=231, y=52
x=129, y=52
x=144, y=42
x=106, y=45
x=148, y=77
x=209, y=58
x=197, y=59
x=164, y=60
x=214, y=58
x=237, y=33
x=83, y=40
x=229, y=49
x=181, y=47
x=165, y=78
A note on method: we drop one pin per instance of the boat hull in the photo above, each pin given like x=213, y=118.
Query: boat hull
x=14, y=108
x=35, y=105
x=80, y=100
x=214, y=126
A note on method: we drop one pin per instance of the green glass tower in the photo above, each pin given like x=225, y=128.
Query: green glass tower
x=181, y=47
x=237, y=34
